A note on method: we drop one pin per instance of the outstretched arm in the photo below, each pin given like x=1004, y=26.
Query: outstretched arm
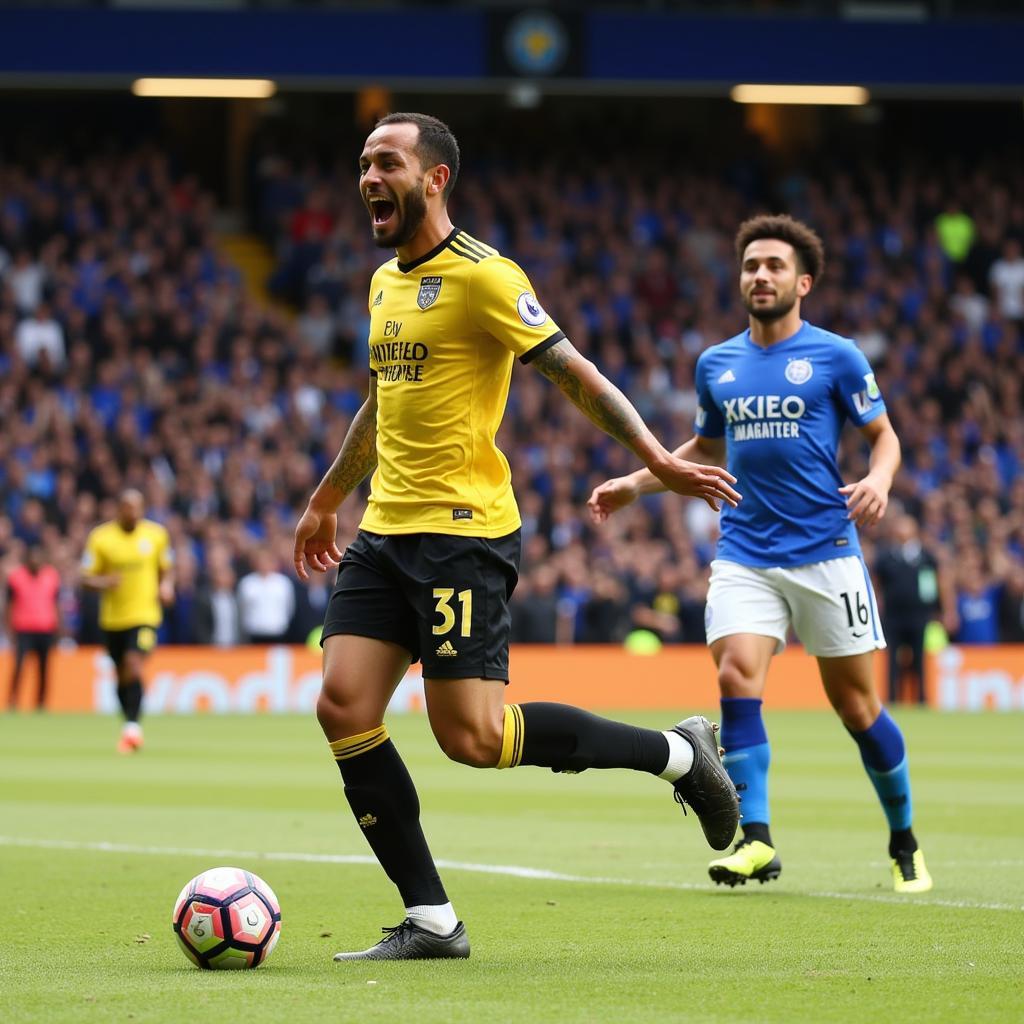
x=621, y=491
x=608, y=408
x=316, y=532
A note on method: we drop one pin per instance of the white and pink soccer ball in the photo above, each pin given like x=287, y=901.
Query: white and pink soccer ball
x=227, y=918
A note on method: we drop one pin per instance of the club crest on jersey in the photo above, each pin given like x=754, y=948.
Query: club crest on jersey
x=798, y=371
x=530, y=310
x=430, y=288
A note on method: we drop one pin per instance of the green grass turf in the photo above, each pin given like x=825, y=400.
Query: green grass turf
x=86, y=934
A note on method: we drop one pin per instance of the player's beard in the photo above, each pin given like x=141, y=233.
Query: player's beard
x=768, y=314
x=410, y=213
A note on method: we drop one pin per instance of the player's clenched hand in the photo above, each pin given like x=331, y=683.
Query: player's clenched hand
x=712, y=483
x=866, y=501
x=610, y=496
x=315, y=542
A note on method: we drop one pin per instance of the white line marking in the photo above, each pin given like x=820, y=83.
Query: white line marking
x=513, y=870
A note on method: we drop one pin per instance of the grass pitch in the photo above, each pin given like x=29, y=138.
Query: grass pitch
x=586, y=897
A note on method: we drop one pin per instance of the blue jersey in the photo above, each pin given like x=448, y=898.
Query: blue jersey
x=781, y=410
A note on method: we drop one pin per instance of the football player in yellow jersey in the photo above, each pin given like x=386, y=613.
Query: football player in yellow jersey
x=435, y=561
x=128, y=560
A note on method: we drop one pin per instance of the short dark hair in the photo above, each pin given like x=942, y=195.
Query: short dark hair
x=436, y=143
x=810, y=253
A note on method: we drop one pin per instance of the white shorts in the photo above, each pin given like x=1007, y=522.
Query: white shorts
x=830, y=605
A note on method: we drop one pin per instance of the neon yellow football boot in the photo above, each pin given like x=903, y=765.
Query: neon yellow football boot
x=750, y=859
x=909, y=874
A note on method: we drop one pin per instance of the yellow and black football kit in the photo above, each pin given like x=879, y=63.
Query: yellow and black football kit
x=130, y=612
x=444, y=333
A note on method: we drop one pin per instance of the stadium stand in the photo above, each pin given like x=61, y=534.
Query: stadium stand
x=131, y=354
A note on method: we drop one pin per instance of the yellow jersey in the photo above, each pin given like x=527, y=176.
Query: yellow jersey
x=138, y=557
x=444, y=332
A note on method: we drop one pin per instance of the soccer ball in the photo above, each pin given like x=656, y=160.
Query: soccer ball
x=227, y=918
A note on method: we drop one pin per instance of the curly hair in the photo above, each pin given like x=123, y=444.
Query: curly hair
x=810, y=253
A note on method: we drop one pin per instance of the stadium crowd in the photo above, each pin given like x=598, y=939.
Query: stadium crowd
x=131, y=354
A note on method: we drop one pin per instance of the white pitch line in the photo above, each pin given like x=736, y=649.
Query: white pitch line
x=513, y=870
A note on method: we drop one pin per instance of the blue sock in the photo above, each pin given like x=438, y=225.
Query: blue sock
x=747, y=755
x=885, y=759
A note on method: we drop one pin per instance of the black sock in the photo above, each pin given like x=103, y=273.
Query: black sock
x=901, y=840
x=568, y=739
x=756, y=831
x=384, y=801
x=130, y=698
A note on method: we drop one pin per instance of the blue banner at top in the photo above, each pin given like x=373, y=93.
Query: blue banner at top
x=658, y=47
x=329, y=45
x=416, y=45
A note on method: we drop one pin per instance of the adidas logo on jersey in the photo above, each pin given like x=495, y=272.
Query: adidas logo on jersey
x=727, y=378
x=379, y=298
x=447, y=651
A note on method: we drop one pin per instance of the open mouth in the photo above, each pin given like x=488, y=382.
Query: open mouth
x=381, y=210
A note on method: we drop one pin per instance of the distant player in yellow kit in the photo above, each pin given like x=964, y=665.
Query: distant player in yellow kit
x=437, y=555
x=128, y=560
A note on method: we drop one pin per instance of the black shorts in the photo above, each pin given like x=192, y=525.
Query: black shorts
x=443, y=598
x=33, y=643
x=120, y=641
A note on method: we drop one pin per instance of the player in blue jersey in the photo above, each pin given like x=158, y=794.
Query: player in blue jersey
x=772, y=403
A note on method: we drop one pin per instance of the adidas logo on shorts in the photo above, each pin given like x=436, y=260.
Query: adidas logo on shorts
x=447, y=651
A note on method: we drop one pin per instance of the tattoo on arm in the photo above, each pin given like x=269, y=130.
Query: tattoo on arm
x=605, y=405
x=358, y=454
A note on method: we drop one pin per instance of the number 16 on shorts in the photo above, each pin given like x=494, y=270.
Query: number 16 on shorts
x=857, y=621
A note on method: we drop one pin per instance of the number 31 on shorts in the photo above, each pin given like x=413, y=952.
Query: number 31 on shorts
x=443, y=596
